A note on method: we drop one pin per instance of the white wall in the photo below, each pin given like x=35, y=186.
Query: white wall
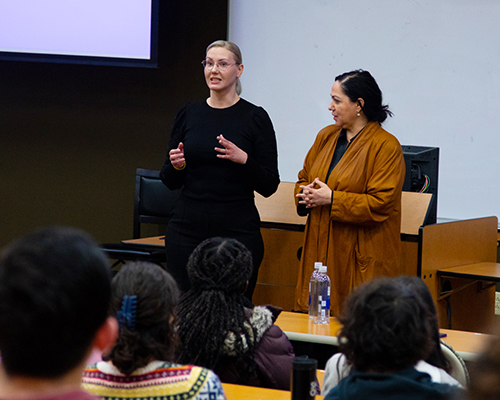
x=436, y=61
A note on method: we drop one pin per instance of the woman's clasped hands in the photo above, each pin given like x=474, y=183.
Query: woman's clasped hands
x=315, y=194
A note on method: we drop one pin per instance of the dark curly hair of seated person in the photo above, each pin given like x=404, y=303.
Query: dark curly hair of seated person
x=385, y=327
x=418, y=286
x=153, y=335
x=219, y=270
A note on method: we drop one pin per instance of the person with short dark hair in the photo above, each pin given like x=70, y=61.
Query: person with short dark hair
x=54, y=299
x=436, y=364
x=221, y=330
x=436, y=357
x=385, y=333
x=140, y=366
x=350, y=186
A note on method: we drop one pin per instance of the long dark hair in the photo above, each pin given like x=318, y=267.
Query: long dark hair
x=154, y=336
x=361, y=84
x=214, y=308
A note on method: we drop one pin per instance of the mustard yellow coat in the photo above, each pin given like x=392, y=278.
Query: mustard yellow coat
x=358, y=236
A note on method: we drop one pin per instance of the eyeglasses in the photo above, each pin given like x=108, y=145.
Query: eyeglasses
x=222, y=66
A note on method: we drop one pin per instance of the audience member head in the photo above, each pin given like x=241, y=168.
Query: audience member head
x=385, y=327
x=144, y=297
x=360, y=84
x=219, y=270
x=485, y=373
x=417, y=285
x=54, y=299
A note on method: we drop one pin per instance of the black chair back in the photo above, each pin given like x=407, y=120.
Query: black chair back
x=154, y=202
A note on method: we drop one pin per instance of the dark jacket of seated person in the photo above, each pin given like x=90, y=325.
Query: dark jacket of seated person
x=221, y=330
x=385, y=333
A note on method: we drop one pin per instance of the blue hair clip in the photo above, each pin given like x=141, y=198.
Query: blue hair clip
x=126, y=316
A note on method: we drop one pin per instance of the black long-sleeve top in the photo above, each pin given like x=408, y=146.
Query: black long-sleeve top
x=210, y=179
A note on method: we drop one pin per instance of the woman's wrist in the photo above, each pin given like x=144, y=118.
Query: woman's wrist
x=181, y=168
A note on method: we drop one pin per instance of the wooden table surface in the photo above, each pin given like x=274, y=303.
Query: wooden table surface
x=298, y=326
x=240, y=392
x=468, y=345
x=147, y=241
x=485, y=271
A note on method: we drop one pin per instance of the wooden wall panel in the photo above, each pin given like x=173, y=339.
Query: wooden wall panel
x=279, y=269
x=460, y=243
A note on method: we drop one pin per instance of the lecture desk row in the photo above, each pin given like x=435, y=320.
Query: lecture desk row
x=298, y=327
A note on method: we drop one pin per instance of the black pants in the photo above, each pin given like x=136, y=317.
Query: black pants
x=193, y=222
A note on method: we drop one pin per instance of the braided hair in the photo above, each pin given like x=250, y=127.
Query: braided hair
x=153, y=335
x=213, y=310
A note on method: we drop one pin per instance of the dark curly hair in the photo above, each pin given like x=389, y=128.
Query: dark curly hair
x=154, y=337
x=361, y=84
x=219, y=269
x=385, y=327
x=417, y=285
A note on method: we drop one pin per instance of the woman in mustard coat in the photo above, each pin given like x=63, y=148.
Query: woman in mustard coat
x=351, y=187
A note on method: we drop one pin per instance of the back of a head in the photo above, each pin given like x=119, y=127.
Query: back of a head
x=385, y=327
x=219, y=269
x=54, y=296
x=147, y=330
x=220, y=263
x=418, y=286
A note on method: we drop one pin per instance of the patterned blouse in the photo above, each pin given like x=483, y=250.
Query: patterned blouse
x=158, y=380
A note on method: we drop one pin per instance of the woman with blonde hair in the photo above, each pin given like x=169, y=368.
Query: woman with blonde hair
x=221, y=150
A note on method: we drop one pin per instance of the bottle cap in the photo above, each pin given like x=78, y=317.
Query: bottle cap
x=317, y=265
x=322, y=268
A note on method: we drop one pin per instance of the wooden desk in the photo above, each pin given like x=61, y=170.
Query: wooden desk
x=298, y=327
x=154, y=241
x=449, y=248
x=278, y=211
x=468, y=345
x=240, y=392
x=484, y=271
x=282, y=232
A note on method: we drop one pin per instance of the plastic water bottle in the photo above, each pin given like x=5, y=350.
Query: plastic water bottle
x=313, y=305
x=323, y=297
